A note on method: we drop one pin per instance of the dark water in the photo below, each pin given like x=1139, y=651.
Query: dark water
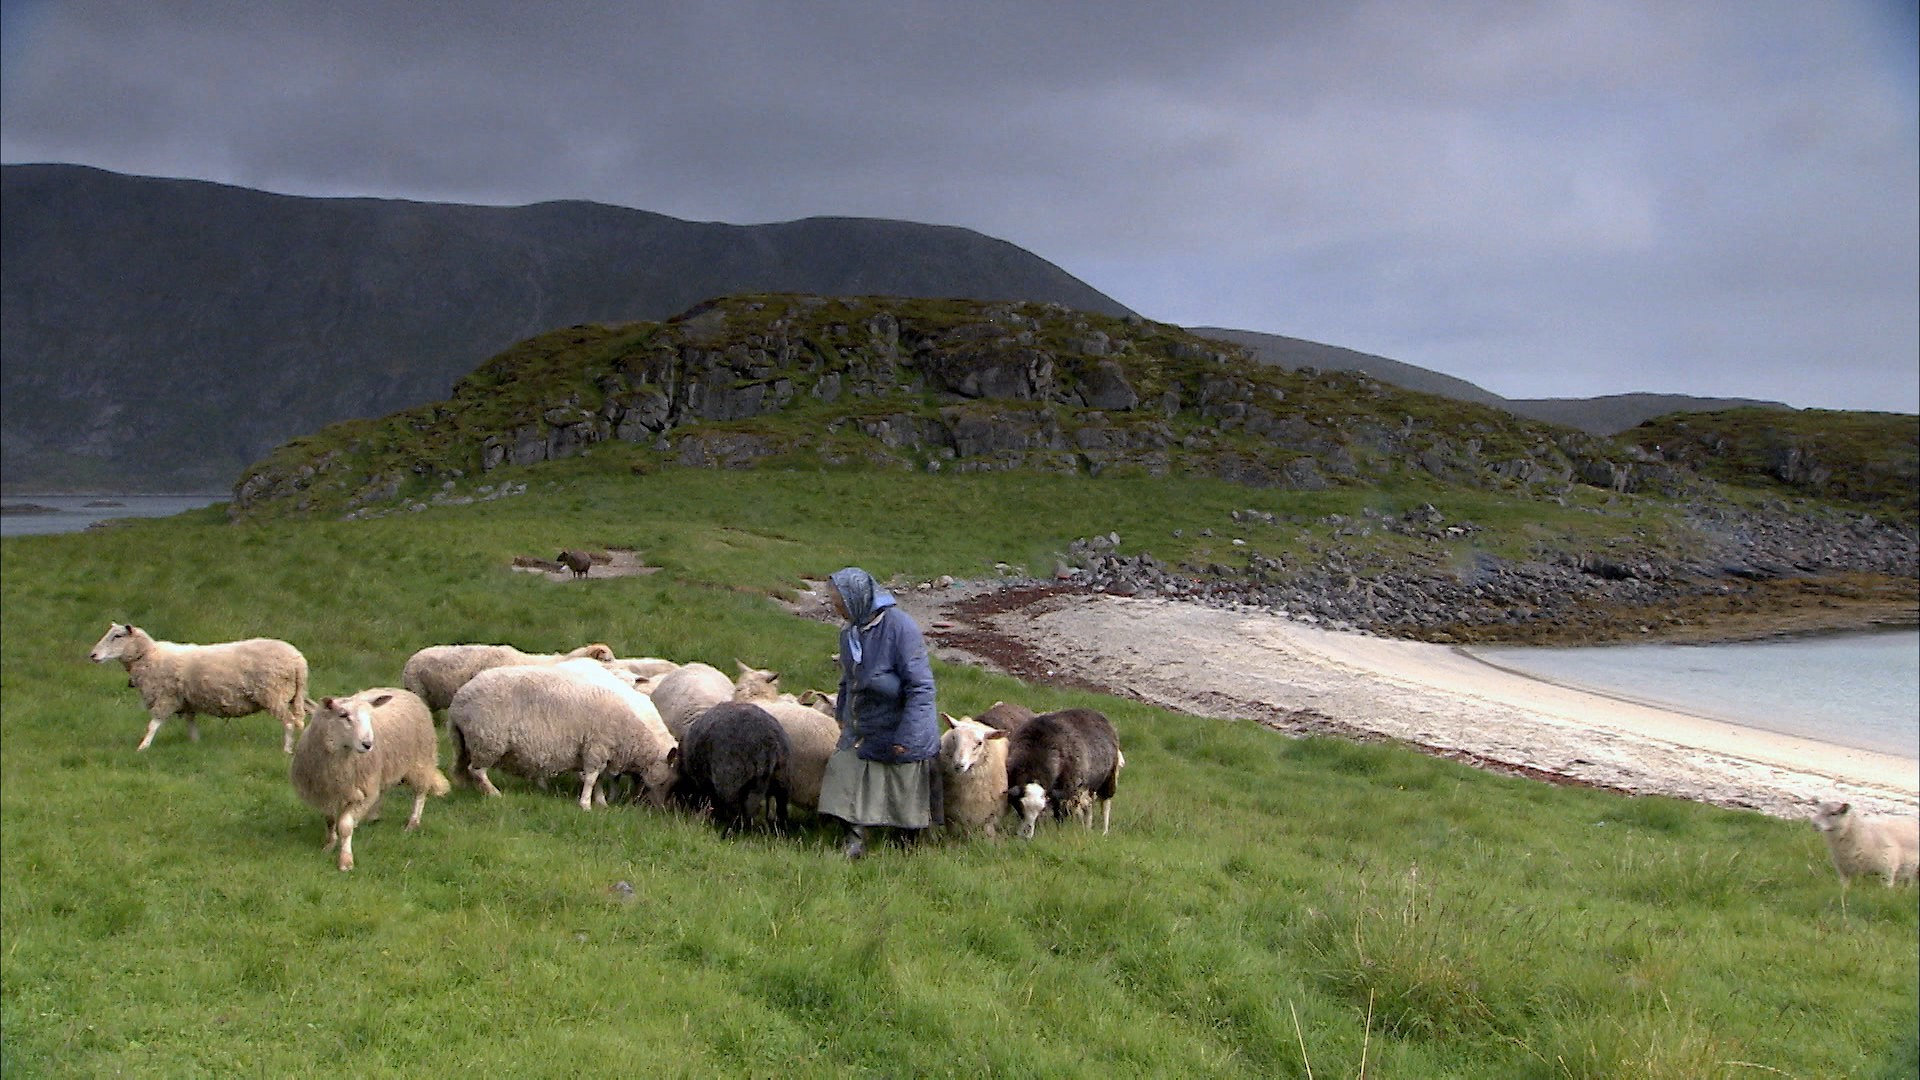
x=1858, y=690
x=71, y=513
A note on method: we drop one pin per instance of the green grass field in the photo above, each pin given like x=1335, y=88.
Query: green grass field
x=1264, y=906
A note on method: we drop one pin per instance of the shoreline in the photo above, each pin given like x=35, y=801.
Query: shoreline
x=1437, y=698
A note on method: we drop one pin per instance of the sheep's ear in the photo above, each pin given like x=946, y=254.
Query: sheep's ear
x=327, y=704
x=673, y=755
x=742, y=665
x=381, y=700
x=1842, y=808
x=996, y=733
x=948, y=719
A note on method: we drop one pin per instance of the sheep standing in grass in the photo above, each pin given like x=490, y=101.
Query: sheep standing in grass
x=235, y=678
x=735, y=759
x=356, y=748
x=1887, y=847
x=1005, y=716
x=694, y=688
x=973, y=760
x=811, y=737
x=437, y=672
x=1066, y=760
x=538, y=722
x=577, y=561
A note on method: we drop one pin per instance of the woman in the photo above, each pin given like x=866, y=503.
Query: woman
x=885, y=770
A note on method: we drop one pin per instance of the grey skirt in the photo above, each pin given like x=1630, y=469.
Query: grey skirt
x=862, y=792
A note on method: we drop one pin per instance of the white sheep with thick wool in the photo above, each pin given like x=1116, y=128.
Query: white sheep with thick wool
x=354, y=748
x=437, y=672
x=1859, y=844
x=542, y=721
x=233, y=678
x=973, y=766
x=696, y=687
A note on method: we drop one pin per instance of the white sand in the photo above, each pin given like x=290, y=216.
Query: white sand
x=1209, y=662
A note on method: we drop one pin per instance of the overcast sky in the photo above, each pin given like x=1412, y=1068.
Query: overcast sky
x=1548, y=199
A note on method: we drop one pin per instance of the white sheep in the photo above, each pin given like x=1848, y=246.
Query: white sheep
x=973, y=764
x=811, y=737
x=437, y=672
x=234, y=678
x=696, y=687
x=1888, y=847
x=356, y=748
x=644, y=667
x=538, y=721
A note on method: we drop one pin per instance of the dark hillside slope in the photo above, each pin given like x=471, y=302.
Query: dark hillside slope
x=161, y=334
x=1608, y=415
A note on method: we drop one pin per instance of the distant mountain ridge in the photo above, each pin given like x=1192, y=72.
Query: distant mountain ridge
x=163, y=334
x=1607, y=415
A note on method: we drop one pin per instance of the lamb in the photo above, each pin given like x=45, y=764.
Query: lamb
x=735, y=758
x=1066, y=760
x=577, y=561
x=1005, y=716
x=235, y=678
x=973, y=762
x=811, y=738
x=437, y=672
x=538, y=722
x=1858, y=844
x=694, y=688
x=356, y=748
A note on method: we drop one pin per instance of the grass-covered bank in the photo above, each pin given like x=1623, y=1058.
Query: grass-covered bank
x=170, y=913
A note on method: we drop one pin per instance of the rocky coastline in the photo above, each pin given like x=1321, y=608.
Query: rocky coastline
x=1750, y=574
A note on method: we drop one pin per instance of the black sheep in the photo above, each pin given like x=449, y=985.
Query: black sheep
x=577, y=561
x=734, y=757
x=1005, y=716
x=1064, y=760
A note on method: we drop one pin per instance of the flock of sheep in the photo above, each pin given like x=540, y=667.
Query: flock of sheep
x=737, y=748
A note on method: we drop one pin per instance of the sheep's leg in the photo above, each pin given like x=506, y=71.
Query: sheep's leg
x=193, y=727
x=588, y=778
x=479, y=777
x=333, y=835
x=419, y=806
x=1106, y=816
x=346, y=840
x=153, y=725
x=289, y=731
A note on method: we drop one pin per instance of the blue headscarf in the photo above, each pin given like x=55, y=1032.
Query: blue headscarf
x=864, y=599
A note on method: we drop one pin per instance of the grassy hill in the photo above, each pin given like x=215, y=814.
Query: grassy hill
x=1871, y=460
x=1264, y=907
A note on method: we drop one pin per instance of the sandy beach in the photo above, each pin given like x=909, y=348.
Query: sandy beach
x=1302, y=679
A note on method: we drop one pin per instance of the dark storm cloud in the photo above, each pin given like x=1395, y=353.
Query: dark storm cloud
x=1546, y=198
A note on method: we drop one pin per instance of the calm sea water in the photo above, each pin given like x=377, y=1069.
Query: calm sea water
x=70, y=513
x=1858, y=690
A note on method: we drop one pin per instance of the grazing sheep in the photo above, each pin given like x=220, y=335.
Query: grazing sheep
x=1888, y=847
x=644, y=667
x=235, y=678
x=735, y=758
x=1005, y=716
x=1066, y=760
x=437, y=672
x=356, y=748
x=538, y=721
x=577, y=561
x=811, y=738
x=696, y=687
x=973, y=760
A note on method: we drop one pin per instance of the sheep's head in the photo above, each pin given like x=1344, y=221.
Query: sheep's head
x=121, y=642
x=755, y=684
x=964, y=744
x=657, y=781
x=596, y=651
x=347, y=723
x=1831, y=816
x=1027, y=800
